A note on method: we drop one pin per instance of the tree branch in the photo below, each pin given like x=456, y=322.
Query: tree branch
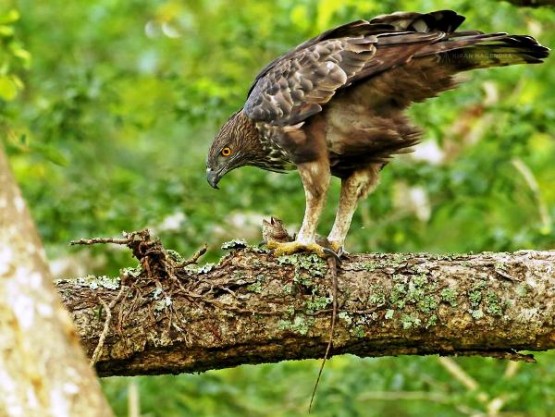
x=252, y=307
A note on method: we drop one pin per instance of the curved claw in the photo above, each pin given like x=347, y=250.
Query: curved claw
x=337, y=248
x=331, y=253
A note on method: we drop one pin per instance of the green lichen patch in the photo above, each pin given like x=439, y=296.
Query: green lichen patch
x=419, y=281
x=499, y=265
x=130, y=272
x=477, y=314
x=156, y=293
x=163, y=303
x=256, y=287
x=475, y=294
x=346, y=317
x=449, y=296
x=258, y=249
x=494, y=305
x=300, y=325
x=523, y=289
x=174, y=255
x=94, y=282
x=240, y=277
x=377, y=296
x=234, y=244
x=317, y=303
x=485, y=301
x=431, y=321
x=415, y=298
x=398, y=294
x=304, y=280
x=399, y=259
x=359, y=332
x=370, y=266
x=288, y=289
x=410, y=321
x=110, y=283
x=427, y=304
x=418, y=287
x=310, y=262
x=358, y=326
x=307, y=267
x=206, y=268
x=256, y=263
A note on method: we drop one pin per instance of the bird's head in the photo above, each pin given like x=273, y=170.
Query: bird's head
x=235, y=145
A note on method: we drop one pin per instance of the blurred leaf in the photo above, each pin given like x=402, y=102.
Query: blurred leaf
x=6, y=31
x=9, y=87
x=11, y=16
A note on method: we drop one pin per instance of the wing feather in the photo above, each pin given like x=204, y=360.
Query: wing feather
x=298, y=85
x=418, y=51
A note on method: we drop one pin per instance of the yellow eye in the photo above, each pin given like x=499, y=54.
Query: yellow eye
x=226, y=151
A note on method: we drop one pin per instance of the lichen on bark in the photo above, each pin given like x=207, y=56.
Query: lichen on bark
x=252, y=307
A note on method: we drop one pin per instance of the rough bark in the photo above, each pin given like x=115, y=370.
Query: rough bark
x=43, y=371
x=252, y=307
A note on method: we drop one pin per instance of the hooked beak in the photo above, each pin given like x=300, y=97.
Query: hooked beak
x=213, y=177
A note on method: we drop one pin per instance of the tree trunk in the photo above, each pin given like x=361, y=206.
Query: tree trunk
x=252, y=307
x=43, y=371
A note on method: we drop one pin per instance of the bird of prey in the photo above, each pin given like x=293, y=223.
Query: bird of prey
x=334, y=106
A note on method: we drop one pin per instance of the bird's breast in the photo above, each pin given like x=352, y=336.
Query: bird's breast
x=273, y=156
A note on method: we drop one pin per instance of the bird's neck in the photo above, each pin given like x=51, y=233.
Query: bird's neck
x=247, y=127
x=265, y=153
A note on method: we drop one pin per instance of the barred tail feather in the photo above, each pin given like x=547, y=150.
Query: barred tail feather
x=462, y=50
x=503, y=51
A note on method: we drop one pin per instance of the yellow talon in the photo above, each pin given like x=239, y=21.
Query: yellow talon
x=288, y=248
x=336, y=247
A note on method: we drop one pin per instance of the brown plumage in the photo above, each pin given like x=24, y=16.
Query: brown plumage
x=334, y=105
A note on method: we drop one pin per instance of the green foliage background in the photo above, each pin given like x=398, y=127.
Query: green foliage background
x=107, y=109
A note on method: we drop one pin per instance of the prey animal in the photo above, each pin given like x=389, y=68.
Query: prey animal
x=335, y=105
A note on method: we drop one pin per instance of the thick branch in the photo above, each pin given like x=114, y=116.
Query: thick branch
x=253, y=308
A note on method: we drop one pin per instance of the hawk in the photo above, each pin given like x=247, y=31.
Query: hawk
x=335, y=105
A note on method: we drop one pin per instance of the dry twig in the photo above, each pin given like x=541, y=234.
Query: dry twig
x=108, y=308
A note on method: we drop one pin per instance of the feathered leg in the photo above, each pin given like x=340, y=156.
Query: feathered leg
x=315, y=177
x=358, y=185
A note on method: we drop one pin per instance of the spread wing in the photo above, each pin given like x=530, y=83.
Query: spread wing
x=297, y=85
x=295, y=88
x=423, y=48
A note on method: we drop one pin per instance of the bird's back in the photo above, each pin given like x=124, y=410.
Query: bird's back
x=364, y=119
